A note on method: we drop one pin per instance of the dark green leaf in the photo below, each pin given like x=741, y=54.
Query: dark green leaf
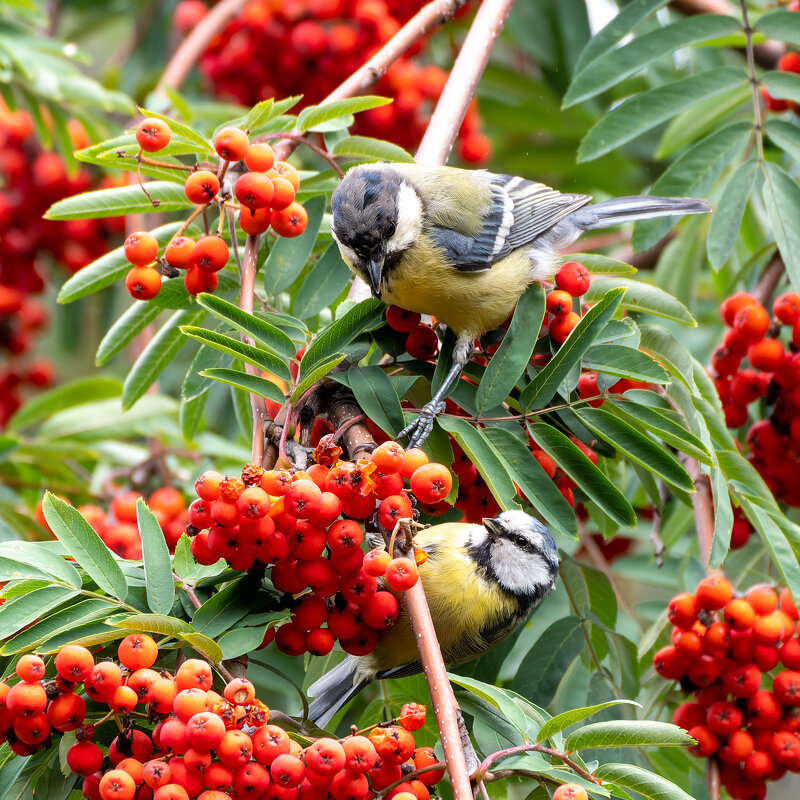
x=195, y=385
x=543, y=387
x=289, y=255
x=727, y=219
x=780, y=24
x=84, y=545
x=362, y=147
x=38, y=557
x=497, y=697
x=614, y=66
x=239, y=641
x=67, y=395
x=542, y=669
x=107, y=269
x=508, y=364
x=641, y=781
x=155, y=623
x=590, y=479
x=250, y=383
x=636, y=446
x=181, y=130
x=323, y=284
x=376, y=395
x=238, y=349
x=624, y=362
x=785, y=134
x=204, y=645
x=259, y=329
x=12, y=569
x=158, y=354
x=312, y=116
x=600, y=265
x=22, y=610
x=127, y=327
x=321, y=369
x=121, y=200
x=225, y=608
x=628, y=733
x=647, y=109
x=159, y=584
x=782, y=200
x=782, y=85
x=642, y=297
x=589, y=590
x=567, y=718
x=723, y=519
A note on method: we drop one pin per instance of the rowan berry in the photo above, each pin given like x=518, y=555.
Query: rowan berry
x=141, y=248
x=231, y=144
x=153, y=134
x=283, y=194
x=197, y=280
x=287, y=771
x=752, y=321
x=67, y=712
x=260, y=157
x=143, y=283
x=682, y=610
x=290, y=221
x=201, y=187
x=254, y=221
x=431, y=482
x=713, y=593
x=84, y=758
x=210, y=253
x=401, y=574
x=254, y=190
x=573, y=278
x=402, y=321
x=422, y=343
x=570, y=791
x=137, y=651
x=179, y=252
x=559, y=302
x=561, y=327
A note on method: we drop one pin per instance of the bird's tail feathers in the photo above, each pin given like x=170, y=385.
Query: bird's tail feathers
x=630, y=209
x=333, y=690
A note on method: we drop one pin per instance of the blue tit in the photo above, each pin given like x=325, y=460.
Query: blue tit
x=481, y=582
x=463, y=245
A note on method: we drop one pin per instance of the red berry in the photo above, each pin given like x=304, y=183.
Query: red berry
x=153, y=134
x=231, y=144
x=141, y=248
x=573, y=278
x=201, y=187
x=143, y=283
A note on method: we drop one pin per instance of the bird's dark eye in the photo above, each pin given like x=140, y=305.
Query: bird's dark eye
x=521, y=541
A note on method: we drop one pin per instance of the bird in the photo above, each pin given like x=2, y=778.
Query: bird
x=481, y=581
x=463, y=245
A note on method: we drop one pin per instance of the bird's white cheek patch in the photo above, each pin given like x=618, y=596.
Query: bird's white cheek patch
x=409, y=220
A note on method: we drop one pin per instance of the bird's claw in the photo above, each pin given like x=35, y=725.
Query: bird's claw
x=420, y=429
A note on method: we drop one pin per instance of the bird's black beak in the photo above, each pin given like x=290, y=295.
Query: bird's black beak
x=492, y=525
x=374, y=274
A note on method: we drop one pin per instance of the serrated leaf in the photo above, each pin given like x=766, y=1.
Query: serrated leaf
x=642, y=297
x=67, y=395
x=364, y=147
x=508, y=364
x=107, y=269
x=376, y=395
x=157, y=355
x=624, y=362
x=323, y=284
x=726, y=221
x=20, y=611
x=180, y=129
x=204, y=646
x=780, y=24
x=37, y=556
x=121, y=201
x=238, y=349
x=155, y=623
x=647, y=109
x=127, y=327
x=543, y=387
x=289, y=255
x=567, y=718
x=600, y=265
x=590, y=479
x=84, y=545
x=636, y=446
x=782, y=201
x=312, y=116
x=628, y=733
x=616, y=65
x=321, y=369
x=261, y=330
x=497, y=697
x=158, y=581
x=642, y=781
x=250, y=383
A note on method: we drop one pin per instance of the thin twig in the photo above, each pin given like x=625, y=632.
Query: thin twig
x=751, y=68
x=712, y=778
x=537, y=748
x=658, y=519
x=300, y=139
x=189, y=589
x=769, y=280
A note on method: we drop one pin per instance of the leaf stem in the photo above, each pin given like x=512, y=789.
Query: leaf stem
x=751, y=68
x=483, y=769
x=300, y=139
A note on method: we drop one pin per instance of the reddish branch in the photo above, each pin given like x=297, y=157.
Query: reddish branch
x=483, y=770
x=769, y=281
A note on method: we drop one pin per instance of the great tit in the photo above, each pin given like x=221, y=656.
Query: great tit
x=481, y=583
x=463, y=245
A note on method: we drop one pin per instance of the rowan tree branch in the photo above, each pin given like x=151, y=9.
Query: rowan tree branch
x=769, y=280
x=483, y=769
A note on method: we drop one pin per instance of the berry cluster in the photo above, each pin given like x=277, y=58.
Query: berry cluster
x=740, y=656
x=266, y=194
x=305, y=525
x=790, y=62
x=773, y=376
x=203, y=744
x=272, y=48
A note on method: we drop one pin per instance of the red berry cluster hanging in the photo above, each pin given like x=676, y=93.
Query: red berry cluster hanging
x=740, y=657
x=265, y=193
x=202, y=744
x=773, y=377
x=275, y=48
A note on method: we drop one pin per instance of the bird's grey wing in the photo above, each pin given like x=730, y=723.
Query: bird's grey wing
x=402, y=671
x=520, y=211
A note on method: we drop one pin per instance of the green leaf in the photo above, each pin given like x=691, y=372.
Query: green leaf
x=508, y=364
x=250, y=383
x=241, y=640
x=781, y=25
x=225, y=608
x=155, y=623
x=534, y=483
x=628, y=733
x=693, y=174
x=38, y=557
x=561, y=721
x=624, y=362
x=727, y=218
x=616, y=65
x=262, y=331
x=323, y=284
x=784, y=134
x=312, y=116
x=238, y=349
x=600, y=265
x=289, y=255
x=108, y=269
x=157, y=355
x=642, y=781
x=480, y=452
x=642, y=297
x=67, y=395
x=543, y=387
x=782, y=85
x=322, y=369
x=376, y=395
x=497, y=697
x=362, y=147
x=84, y=545
x=782, y=200
x=636, y=446
x=159, y=584
x=14, y=570
x=181, y=130
x=647, y=109
x=121, y=201
x=542, y=669
x=590, y=479
x=20, y=611
x=127, y=327
x=336, y=336
x=589, y=590
x=204, y=646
